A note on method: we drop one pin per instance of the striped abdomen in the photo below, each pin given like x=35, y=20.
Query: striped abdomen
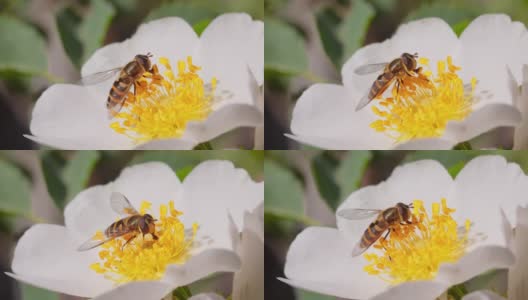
x=374, y=232
x=123, y=226
x=119, y=91
x=380, y=84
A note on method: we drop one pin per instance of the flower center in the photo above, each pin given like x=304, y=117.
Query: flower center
x=424, y=104
x=415, y=251
x=164, y=103
x=144, y=258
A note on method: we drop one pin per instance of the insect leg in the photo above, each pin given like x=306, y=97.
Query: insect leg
x=384, y=239
x=128, y=241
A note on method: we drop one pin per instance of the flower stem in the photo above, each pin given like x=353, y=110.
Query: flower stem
x=181, y=293
x=204, y=146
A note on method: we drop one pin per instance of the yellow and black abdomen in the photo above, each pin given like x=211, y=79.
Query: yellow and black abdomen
x=119, y=91
x=123, y=226
x=380, y=84
x=373, y=232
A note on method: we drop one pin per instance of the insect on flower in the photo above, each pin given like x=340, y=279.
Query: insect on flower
x=129, y=76
x=132, y=225
x=400, y=214
x=396, y=70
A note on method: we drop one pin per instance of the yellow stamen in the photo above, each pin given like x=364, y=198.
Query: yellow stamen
x=415, y=251
x=424, y=104
x=163, y=104
x=146, y=258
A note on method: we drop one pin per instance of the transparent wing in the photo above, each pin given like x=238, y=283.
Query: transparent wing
x=358, y=213
x=91, y=243
x=365, y=100
x=121, y=205
x=358, y=249
x=99, y=77
x=370, y=68
x=114, y=110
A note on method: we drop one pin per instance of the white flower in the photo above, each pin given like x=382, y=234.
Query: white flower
x=248, y=282
x=46, y=255
x=325, y=116
x=320, y=259
x=230, y=54
x=520, y=138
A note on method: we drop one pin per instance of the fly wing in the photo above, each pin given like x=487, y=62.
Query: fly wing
x=364, y=101
x=358, y=249
x=358, y=213
x=92, y=243
x=121, y=205
x=369, y=69
x=99, y=77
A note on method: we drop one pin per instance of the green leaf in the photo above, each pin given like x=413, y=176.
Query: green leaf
x=77, y=172
x=22, y=48
x=283, y=192
x=463, y=146
x=182, y=293
x=450, y=12
x=190, y=12
x=456, y=168
x=351, y=171
x=284, y=50
x=199, y=27
x=15, y=188
x=67, y=23
x=327, y=21
x=323, y=170
x=354, y=28
x=52, y=165
x=183, y=172
x=33, y=293
x=203, y=146
x=94, y=26
x=82, y=36
x=459, y=27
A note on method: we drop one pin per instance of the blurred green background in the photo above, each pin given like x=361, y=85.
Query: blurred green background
x=46, y=41
x=37, y=185
x=307, y=42
x=304, y=188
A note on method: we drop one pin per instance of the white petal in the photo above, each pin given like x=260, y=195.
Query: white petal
x=47, y=257
x=168, y=144
x=476, y=262
x=111, y=56
x=497, y=37
x=423, y=290
x=77, y=116
x=248, y=283
x=208, y=296
x=326, y=112
x=489, y=183
x=517, y=276
x=427, y=144
x=432, y=38
x=227, y=46
x=482, y=295
x=425, y=180
x=520, y=140
x=482, y=120
x=202, y=265
x=169, y=37
x=223, y=120
x=319, y=260
x=90, y=210
x=211, y=191
x=138, y=290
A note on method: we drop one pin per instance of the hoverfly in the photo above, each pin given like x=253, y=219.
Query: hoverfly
x=131, y=225
x=398, y=214
x=405, y=65
x=128, y=77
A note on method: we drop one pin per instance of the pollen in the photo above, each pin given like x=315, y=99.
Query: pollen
x=144, y=258
x=415, y=251
x=422, y=105
x=163, y=103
